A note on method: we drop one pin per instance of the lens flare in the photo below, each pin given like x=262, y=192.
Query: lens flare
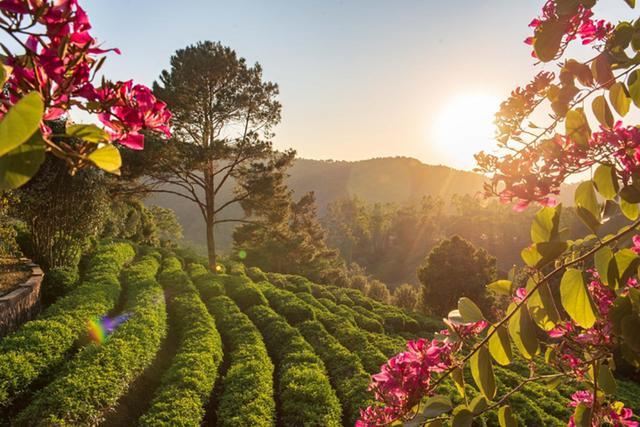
x=218, y=268
x=101, y=328
x=242, y=254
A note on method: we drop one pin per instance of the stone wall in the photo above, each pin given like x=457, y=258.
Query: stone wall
x=22, y=303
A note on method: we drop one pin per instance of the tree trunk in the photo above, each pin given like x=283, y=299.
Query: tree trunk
x=211, y=244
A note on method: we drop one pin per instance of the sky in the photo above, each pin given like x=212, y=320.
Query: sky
x=358, y=78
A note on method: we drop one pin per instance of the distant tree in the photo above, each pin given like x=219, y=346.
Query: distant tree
x=456, y=268
x=169, y=228
x=292, y=241
x=223, y=115
x=406, y=296
x=130, y=219
x=379, y=291
x=360, y=282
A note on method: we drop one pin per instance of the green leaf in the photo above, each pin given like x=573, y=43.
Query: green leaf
x=458, y=379
x=506, y=418
x=577, y=127
x=631, y=331
x=3, y=74
x=478, y=404
x=547, y=39
x=630, y=194
x=587, y=205
x=629, y=210
x=20, y=164
x=601, y=260
x=606, y=182
x=633, y=82
x=523, y=332
x=469, y=311
x=582, y=416
x=606, y=381
x=107, y=158
x=500, y=346
x=575, y=298
x=482, y=372
x=631, y=3
x=601, y=70
x=462, y=417
x=621, y=267
x=620, y=98
x=544, y=227
x=501, y=287
x=602, y=111
x=89, y=133
x=21, y=122
x=437, y=405
x=542, y=307
x=540, y=254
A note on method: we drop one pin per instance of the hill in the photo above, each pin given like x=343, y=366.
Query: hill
x=389, y=179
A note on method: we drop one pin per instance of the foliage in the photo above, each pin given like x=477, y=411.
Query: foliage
x=378, y=291
x=247, y=397
x=41, y=344
x=223, y=116
x=243, y=291
x=406, y=296
x=53, y=74
x=592, y=312
x=58, y=282
x=94, y=380
x=75, y=208
x=130, y=219
x=304, y=392
x=169, y=228
x=186, y=385
x=292, y=242
x=346, y=373
x=8, y=244
x=453, y=269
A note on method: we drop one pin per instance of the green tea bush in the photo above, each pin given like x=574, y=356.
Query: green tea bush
x=208, y=284
x=304, y=393
x=247, y=388
x=185, y=387
x=41, y=344
x=243, y=291
x=346, y=373
x=288, y=305
x=256, y=274
x=94, y=380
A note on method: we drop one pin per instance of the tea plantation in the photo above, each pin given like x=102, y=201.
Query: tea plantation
x=242, y=348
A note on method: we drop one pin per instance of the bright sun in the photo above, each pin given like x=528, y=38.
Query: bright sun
x=465, y=126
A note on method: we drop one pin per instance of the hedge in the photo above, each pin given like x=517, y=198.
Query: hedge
x=304, y=393
x=100, y=374
x=208, y=284
x=58, y=282
x=243, y=291
x=256, y=274
x=247, y=388
x=288, y=305
x=185, y=387
x=347, y=375
x=42, y=344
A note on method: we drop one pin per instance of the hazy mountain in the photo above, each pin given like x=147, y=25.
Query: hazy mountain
x=389, y=179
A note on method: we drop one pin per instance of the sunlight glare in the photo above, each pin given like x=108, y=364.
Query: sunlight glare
x=465, y=126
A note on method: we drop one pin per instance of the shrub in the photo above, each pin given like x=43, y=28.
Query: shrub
x=360, y=283
x=288, y=305
x=96, y=378
x=347, y=375
x=243, y=291
x=354, y=340
x=234, y=267
x=393, y=321
x=305, y=394
x=40, y=344
x=58, y=282
x=187, y=384
x=208, y=284
x=299, y=283
x=247, y=388
x=406, y=296
x=256, y=274
x=379, y=291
